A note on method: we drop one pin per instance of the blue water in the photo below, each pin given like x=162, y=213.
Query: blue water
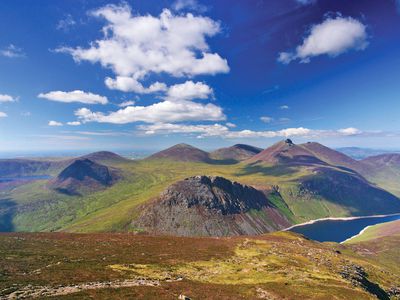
x=339, y=230
x=23, y=178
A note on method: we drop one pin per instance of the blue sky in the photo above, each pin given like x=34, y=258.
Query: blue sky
x=141, y=74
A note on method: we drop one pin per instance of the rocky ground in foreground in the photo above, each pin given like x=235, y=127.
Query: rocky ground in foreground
x=281, y=265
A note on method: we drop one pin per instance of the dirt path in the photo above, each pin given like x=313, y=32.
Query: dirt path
x=46, y=291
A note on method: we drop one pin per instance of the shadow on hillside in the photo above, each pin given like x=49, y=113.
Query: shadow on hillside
x=223, y=162
x=352, y=191
x=68, y=192
x=278, y=170
x=374, y=289
x=7, y=212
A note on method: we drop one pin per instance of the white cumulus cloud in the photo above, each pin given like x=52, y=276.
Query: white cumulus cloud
x=55, y=123
x=166, y=128
x=74, y=123
x=349, y=131
x=218, y=130
x=165, y=111
x=137, y=46
x=189, y=91
x=66, y=23
x=266, y=119
x=127, y=103
x=3, y=114
x=12, y=51
x=188, y=5
x=7, y=98
x=332, y=37
x=74, y=96
x=131, y=84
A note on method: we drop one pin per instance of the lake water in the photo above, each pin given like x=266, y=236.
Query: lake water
x=339, y=230
x=24, y=178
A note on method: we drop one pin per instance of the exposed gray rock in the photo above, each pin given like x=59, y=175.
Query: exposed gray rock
x=214, y=193
x=211, y=206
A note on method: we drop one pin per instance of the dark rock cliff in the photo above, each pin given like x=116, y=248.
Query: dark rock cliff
x=210, y=206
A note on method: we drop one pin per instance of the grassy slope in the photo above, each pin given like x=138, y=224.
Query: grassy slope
x=273, y=266
x=114, y=208
x=163, y=173
x=377, y=231
x=380, y=248
x=387, y=178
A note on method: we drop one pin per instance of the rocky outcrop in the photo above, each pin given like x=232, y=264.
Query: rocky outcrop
x=359, y=278
x=211, y=206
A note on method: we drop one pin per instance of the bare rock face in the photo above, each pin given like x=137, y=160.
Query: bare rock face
x=210, y=206
x=214, y=193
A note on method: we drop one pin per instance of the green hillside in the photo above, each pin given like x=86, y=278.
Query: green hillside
x=377, y=232
x=36, y=207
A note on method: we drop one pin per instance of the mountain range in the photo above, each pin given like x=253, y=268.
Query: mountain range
x=361, y=153
x=184, y=190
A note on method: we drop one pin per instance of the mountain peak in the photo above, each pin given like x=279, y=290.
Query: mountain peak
x=285, y=152
x=331, y=156
x=182, y=145
x=80, y=168
x=182, y=152
x=83, y=174
x=104, y=157
x=235, y=153
x=289, y=142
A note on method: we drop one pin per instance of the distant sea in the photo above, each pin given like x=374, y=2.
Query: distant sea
x=132, y=154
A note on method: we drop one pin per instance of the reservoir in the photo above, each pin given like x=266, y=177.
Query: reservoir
x=339, y=230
